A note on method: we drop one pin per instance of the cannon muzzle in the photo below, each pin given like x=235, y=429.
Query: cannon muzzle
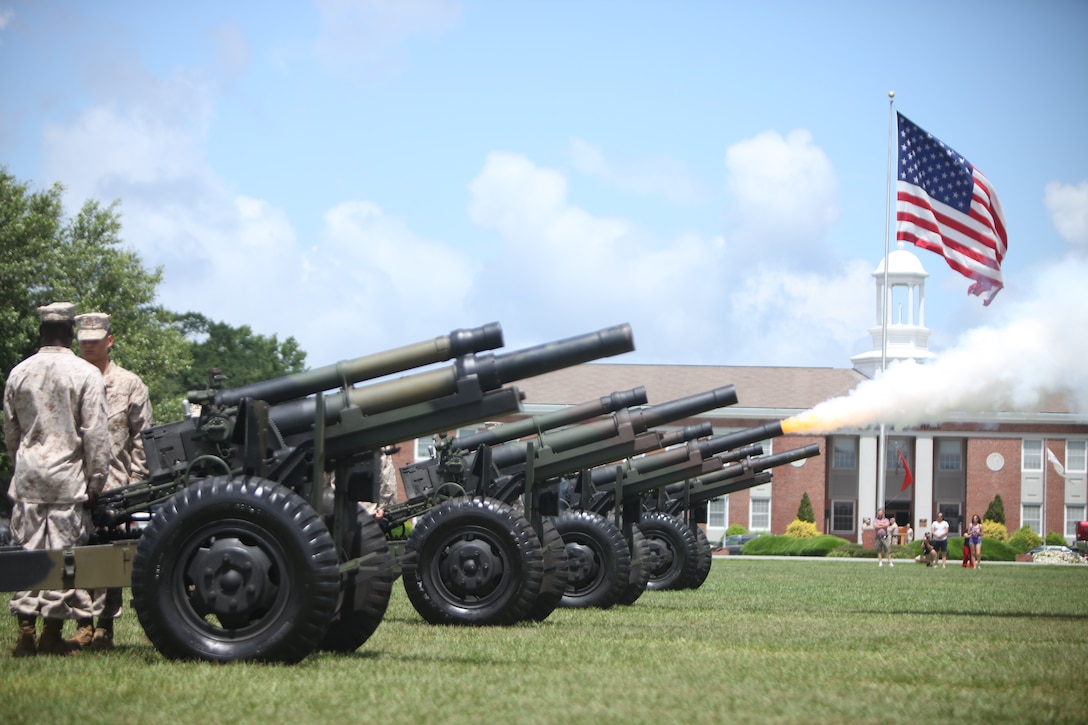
x=368, y=367
x=728, y=441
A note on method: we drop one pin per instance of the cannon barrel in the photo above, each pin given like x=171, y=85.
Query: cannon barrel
x=728, y=441
x=604, y=475
x=762, y=463
x=484, y=372
x=637, y=420
x=537, y=424
x=346, y=372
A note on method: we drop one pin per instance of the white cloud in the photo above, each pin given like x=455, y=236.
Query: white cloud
x=659, y=176
x=1068, y=208
x=785, y=195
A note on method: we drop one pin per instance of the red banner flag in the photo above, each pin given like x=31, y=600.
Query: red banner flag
x=908, y=477
x=946, y=205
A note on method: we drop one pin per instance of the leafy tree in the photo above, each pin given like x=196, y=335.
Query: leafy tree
x=45, y=256
x=804, y=511
x=242, y=356
x=1024, y=539
x=735, y=529
x=995, y=511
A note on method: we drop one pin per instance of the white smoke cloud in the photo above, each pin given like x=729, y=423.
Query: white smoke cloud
x=1026, y=363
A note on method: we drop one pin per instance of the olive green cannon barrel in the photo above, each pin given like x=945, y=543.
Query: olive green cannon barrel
x=537, y=424
x=736, y=477
x=480, y=372
x=604, y=475
x=630, y=421
x=368, y=367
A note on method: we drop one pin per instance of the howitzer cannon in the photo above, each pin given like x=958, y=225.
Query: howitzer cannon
x=677, y=553
x=531, y=471
x=239, y=560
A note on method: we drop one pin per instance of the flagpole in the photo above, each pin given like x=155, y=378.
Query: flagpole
x=882, y=447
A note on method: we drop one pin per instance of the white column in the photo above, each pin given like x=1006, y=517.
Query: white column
x=923, y=482
x=867, y=452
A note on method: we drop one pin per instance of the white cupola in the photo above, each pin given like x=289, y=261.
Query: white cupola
x=908, y=336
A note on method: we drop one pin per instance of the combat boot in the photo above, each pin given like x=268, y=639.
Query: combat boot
x=84, y=633
x=27, y=644
x=103, y=635
x=52, y=642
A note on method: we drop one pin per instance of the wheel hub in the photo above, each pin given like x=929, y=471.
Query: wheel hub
x=231, y=580
x=470, y=567
x=581, y=561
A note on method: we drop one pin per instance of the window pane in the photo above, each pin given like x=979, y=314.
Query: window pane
x=1032, y=455
x=1032, y=516
x=1076, y=456
x=761, y=514
x=842, y=516
x=949, y=455
x=845, y=453
x=1073, y=514
x=718, y=512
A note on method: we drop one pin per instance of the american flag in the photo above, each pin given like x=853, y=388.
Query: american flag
x=945, y=204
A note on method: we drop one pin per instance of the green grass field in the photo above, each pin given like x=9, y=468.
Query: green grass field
x=810, y=641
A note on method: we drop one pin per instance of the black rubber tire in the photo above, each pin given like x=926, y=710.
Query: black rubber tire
x=640, y=568
x=599, y=560
x=704, y=559
x=235, y=569
x=672, y=551
x=473, y=561
x=556, y=572
x=364, y=594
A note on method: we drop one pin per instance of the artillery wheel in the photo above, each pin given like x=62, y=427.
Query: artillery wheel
x=556, y=572
x=235, y=569
x=473, y=561
x=640, y=567
x=704, y=559
x=672, y=551
x=364, y=593
x=600, y=562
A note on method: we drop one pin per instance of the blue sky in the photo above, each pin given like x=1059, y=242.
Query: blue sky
x=360, y=175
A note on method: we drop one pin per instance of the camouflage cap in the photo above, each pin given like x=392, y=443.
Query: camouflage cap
x=92, y=326
x=57, y=312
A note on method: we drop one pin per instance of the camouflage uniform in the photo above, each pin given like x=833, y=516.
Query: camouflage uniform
x=56, y=433
x=129, y=411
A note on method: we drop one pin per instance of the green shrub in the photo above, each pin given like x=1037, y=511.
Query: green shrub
x=820, y=545
x=801, y=529
x=1024, y=539
x=995, y=511
x=735, y=530
x=804, y=511
x=1053, y=538
x=994, y=530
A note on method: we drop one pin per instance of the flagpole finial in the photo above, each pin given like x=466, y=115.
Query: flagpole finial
x=891, y=94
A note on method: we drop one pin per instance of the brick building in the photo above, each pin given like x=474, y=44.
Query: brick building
x=958, y=466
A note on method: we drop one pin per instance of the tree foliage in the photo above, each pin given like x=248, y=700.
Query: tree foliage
x=995, y=511
x=242, y=356
x=804, y=511
x=47, y=256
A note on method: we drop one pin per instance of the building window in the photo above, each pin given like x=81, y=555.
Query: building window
x=891, y=455
x=949, y=455
x=845, y=457
x=717, y=513
x=1031, y=515
x=424, y=449
x=761, y=515
x=1031, y=455
x=842, y=516
x=1076, y=456
x=1073, y=514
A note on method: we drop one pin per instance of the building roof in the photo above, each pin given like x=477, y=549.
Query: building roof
x=794, y=388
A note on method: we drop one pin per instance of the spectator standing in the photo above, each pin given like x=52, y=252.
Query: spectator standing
x=129, y=409
x=939, y=529
x=56, y=433
x=882, y=528
x=974, y=540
